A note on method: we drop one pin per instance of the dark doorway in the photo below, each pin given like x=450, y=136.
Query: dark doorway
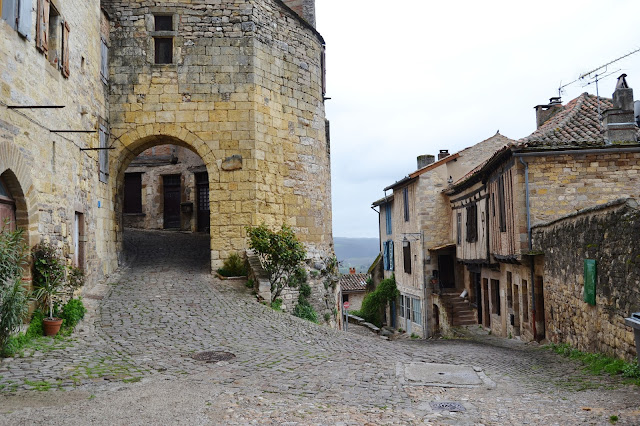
x=477, y=293
x=485, y=303
x=171, y=187
x=445, y=268
x=539, y=295
x=203, y=214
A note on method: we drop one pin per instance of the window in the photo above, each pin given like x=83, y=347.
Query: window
x=501, y=205
x=52, y=36
x=405, y=196
x=459, y=228
x=525, y=301
x=163, y=39
x=417, y=311
x=401, y=304
x=387, y=213
x=495, y=297
x=406, y=256
x=472, y=223
x=7, y=207
x=387, y=255
x=103, y=155
x=17, y=13
x=509, y=291
x=407, y=305
x=132, y=193
x=104, y=61
x=323, y=70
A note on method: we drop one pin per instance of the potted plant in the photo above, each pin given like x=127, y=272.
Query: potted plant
x=50, y=288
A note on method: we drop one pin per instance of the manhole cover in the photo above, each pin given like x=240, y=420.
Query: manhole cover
x=447, y=406
x=213, y=356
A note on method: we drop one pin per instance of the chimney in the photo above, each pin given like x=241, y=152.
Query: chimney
x=425, y=160
x=545, y=112
x=352, y=271
x=442, y=154
x=636, y=112
x=306, y=9
x=619, y=122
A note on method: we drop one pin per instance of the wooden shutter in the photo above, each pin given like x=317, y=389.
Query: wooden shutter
x=391, y=263
x=24, y=18
x=65, y=49
x=104, y=58
x=103, y=155
x=42, y=27
x=385, y=255
x=9, y=12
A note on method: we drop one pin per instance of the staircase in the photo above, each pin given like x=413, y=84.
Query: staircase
x=459, y=309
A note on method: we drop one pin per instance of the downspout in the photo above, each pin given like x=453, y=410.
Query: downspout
x=532, y=266
x=425, y=290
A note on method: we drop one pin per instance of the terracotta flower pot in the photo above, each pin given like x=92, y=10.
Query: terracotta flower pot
x=51, y=326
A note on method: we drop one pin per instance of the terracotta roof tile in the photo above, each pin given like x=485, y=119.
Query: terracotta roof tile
x=576, y=125
x=353, y=282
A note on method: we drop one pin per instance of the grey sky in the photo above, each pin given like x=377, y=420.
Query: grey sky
x=413, y=77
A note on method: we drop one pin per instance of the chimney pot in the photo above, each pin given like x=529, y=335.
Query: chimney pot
x=619, y=121
x=425, y=160
x=352, y=271
x=545, y=112
x=443, y=153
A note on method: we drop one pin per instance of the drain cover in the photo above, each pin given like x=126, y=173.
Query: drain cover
x=447, y=406
x=213, y=356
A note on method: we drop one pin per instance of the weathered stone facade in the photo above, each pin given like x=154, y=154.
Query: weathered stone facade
x=608, y=234
x=245, y=79
x=54, y=182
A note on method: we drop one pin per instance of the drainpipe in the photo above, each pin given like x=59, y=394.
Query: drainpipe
x=532, y=266
x=425, y=291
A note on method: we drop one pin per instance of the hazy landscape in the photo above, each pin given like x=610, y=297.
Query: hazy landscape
x=356, y=252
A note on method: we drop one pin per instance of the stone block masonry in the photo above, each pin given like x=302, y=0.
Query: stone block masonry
x=608, y=234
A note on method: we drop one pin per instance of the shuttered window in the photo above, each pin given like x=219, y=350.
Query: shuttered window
x=104, y=61
x=391, y=262
x=406, y=256
x=17, y=13
x=459, y=228
x=405, y=196
x=103, y=156
x=387, y=255
x=42, y=26
x=472, y=223
x=401, y=303
x=65, y=49
x=416, y=311
x=387, y=213
x=501, y=205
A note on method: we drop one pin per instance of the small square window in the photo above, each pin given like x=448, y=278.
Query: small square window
x=164, y=50
x=164, y=23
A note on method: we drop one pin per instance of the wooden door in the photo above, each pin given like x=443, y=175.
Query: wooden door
x=445, y=267
x=171, y=186
x=202, y=207
x=7, y=209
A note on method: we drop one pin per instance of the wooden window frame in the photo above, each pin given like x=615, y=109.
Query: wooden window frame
x=163, y=34
x=495, y=297
x=472, y=223
x=459, y=228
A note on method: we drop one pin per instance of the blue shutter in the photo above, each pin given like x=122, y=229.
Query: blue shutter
x=24, y=19
x=391, y=260
x=385, y=255
x=388, y=217
x=10, y=12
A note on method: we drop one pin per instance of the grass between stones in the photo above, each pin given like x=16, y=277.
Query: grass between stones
x=598, y=364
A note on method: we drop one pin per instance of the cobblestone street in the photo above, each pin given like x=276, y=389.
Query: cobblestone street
x=130, y=362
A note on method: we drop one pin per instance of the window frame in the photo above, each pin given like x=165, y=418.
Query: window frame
x=416, y=310
x=388, y=218
x=162, y=34
x=472, y=223
x=406, y=256
x=405, y=198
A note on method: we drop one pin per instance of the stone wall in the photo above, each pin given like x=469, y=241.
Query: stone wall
x=246, y=80
x=608, y=234
x=48, y=174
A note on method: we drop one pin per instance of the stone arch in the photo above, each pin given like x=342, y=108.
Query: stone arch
x=130, y=144
x=15, y=173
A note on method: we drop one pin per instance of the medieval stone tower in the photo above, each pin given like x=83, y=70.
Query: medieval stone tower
x=239, y=82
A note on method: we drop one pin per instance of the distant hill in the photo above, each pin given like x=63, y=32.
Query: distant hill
x=356, y=252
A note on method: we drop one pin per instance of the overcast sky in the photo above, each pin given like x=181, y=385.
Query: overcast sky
x=413, y=77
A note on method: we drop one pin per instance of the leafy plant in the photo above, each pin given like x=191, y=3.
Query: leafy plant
x=414, y=336
x=13, y=296
x=280, y=254
x=233, y=266
x=72, y=312
x=305, y=311
x=375, y=302
x=276, y=305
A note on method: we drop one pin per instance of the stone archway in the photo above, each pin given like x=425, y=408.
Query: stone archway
x=16, y=176
x=130, y=144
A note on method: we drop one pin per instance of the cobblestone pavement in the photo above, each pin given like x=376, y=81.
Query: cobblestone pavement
x=130, y=362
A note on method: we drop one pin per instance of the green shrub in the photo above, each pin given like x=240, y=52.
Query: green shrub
x=276, y=305
x=375, y=302
x=306, y=311
x=305, y=290
x=72, y=312
x=233, y=266
x=327, y=317
x=36, y=329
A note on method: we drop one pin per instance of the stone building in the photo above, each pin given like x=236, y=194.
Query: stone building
x=575, y=160
x=417, y=246
x=239, y=83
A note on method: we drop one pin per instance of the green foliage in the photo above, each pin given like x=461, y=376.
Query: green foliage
x=233, y=266
x=305, y=311
x=36, y=329
x=249, y=284
x=72, y=312
x=327, y=316
x=75, y=278
x=414, y=336
x=305, y=290
x=280, y=254
x=13, y=296
x=47, y=264
x=613, y=419
x=375, y=302
x=276, y=305
x=598, y=363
